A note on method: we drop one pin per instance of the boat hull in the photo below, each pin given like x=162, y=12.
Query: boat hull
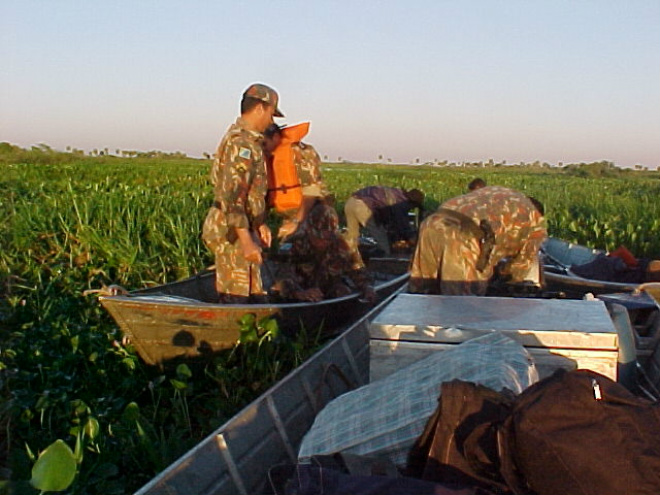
x=178, y=320
x=237, y=457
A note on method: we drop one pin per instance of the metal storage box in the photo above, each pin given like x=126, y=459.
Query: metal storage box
x=556, y=332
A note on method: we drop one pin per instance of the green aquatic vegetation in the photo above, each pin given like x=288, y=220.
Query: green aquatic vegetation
x=71, y=224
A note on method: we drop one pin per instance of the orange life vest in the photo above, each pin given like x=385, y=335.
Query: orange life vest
x=284, y=188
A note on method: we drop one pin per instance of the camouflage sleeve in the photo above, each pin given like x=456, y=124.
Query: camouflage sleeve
x=532, y=238
x=308, y=163
x=236, y=163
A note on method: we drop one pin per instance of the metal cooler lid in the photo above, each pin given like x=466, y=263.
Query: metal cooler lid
x=554, y=323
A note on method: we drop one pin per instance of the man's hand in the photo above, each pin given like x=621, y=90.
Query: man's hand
x=250, y=249
x=265, y=235
x=368, y=295
x=287, y=228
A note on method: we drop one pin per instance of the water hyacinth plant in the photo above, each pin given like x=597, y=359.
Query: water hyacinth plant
x=75, y=396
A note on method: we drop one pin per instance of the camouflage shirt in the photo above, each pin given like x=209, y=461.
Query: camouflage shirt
x=381, y=196
x=308, y=166
x=239, y=183
x=518, y=226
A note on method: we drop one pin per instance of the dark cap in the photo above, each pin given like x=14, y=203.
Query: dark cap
x=266, y=94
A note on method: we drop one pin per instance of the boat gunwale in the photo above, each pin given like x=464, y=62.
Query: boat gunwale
x=141, y=296
x=318, y=358
x=574, y=280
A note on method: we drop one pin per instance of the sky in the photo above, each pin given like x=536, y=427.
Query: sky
x=565, y=81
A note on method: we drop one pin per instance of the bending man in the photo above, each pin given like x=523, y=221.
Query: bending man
x=461, y=243
x=383, y=211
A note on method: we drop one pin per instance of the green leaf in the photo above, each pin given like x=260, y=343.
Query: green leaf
x=247, y=320
x=182, y=371
x=79, y=407
x=78, y=452
x=248, y=334
x=43, y=402
x=30, y=454
x=92, y=428
x=130, y=363
x=140, y=430
x=27, y=415
x=178, y=384
x=131, y=412
x=271, y=327
x=55, y=469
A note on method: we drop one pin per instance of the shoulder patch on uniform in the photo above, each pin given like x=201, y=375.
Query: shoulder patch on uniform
x=245, y=153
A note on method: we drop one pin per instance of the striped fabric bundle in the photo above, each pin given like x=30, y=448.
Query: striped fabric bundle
x=384, y=418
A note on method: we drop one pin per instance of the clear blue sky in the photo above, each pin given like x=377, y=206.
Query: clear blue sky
x=550, y=80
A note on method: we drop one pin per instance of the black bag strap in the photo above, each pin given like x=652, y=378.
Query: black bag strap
x=324, y=381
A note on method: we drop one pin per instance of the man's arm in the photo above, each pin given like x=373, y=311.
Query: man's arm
x=250, y=249
x=528, y=256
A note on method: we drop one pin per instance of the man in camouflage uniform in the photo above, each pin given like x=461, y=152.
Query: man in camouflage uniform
x=322, y=266
x=461, y=243
x=235, y=228
x=308, y=168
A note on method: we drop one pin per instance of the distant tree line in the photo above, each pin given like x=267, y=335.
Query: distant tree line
x=42, y=153
x=601, y=168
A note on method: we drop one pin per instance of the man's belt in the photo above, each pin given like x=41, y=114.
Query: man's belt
x=483, y=232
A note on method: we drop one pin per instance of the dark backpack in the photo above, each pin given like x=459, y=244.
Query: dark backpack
x=580, y=433
x=459, y=443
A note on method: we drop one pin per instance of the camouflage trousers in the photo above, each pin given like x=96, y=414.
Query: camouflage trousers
x=445, y=260
x=359, y=214
x=236, y=279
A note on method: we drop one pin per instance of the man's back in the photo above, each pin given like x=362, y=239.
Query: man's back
x=381, y=196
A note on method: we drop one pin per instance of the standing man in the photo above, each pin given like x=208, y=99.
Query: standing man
x=383, y=211
x=235, y=228
x=461, y=243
